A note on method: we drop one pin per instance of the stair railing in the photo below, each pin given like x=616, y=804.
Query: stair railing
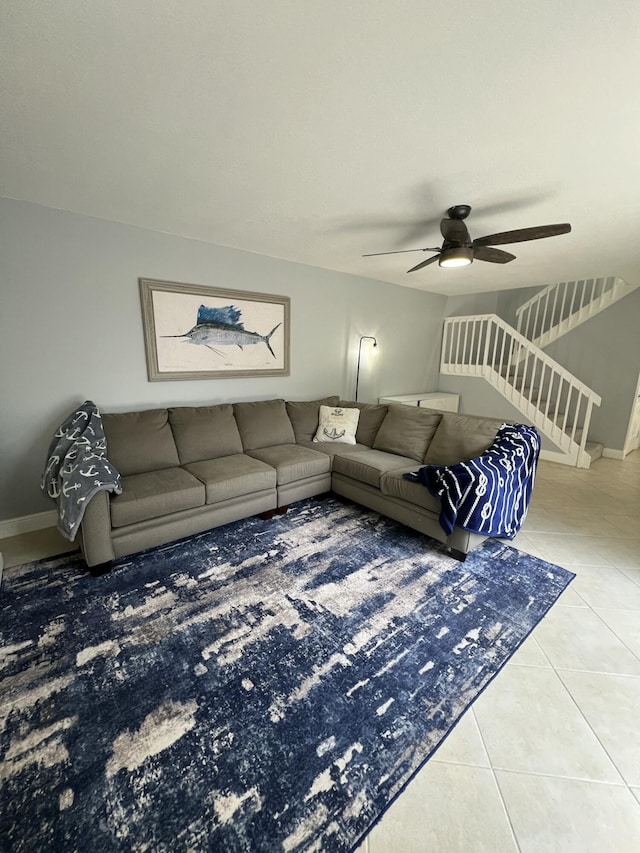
x=550, y=397
x=558, y=308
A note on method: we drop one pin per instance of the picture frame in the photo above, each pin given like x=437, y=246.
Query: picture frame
x=193, y=331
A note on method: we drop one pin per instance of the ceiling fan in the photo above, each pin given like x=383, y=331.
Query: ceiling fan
x=459, y=250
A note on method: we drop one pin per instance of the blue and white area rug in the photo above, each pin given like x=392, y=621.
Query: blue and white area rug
x=266, y=686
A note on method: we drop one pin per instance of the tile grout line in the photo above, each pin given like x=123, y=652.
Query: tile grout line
x=558, y=670
x=496, y=783
x=630, y=577
x=593, y=609
x=536, y=773
x=590, y=671
x=582, y=714
x=631, y=651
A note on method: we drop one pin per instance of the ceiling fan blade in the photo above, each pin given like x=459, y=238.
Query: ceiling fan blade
x=400, y=252
x=494, y=256
x=454, y=230
x=425, y=263
x=523, y=234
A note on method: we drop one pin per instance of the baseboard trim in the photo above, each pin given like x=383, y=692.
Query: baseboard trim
x=610, y=453
x=27, y=523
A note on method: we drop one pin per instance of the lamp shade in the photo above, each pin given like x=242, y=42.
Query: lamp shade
x=456, y=256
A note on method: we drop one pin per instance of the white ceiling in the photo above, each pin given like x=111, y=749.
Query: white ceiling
x=317, y=130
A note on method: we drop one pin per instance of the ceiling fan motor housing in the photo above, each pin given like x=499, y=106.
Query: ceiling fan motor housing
x=459, y=211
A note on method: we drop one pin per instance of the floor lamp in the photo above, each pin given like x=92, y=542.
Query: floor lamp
x=375, y=343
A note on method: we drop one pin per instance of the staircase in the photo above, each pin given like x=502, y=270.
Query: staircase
x=559, y=308
x=514, y=363
x=550, y=397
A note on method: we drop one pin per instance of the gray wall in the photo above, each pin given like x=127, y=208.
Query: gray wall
x=478, y=397
x=604, y=353
x=472, y=303
x=71, y=330
x=510, y=300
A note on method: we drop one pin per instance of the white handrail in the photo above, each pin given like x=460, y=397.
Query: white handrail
x=554, y=400
x=560, y=307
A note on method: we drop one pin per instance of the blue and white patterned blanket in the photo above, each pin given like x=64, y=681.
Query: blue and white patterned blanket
x=77, y=467
x=489, y=494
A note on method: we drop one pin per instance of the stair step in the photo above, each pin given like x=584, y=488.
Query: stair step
x=595, y=449
x=551, y=413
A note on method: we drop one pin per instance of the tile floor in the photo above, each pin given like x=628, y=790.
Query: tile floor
x=548, y=758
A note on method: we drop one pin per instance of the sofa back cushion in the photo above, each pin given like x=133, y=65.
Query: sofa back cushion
x=304, y=416
x=263, y=424
x=371, y=417
x=138, y=442
x=460, y=438
x=407, y=431
x=204, y=432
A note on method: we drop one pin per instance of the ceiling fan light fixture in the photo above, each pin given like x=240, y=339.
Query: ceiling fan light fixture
x=456, y=256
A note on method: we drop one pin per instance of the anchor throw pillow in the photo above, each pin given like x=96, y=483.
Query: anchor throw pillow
x=337, y=425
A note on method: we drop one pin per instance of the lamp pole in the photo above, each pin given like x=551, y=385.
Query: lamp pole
x=375, y=343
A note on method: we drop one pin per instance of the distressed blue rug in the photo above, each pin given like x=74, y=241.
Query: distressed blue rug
x=269, y=685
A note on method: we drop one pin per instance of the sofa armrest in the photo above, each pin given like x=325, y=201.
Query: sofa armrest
x=95, y=532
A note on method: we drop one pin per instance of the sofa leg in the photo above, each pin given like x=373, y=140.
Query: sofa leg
x=267, y=514
x=282, y=510
x=458, y=555
x=100, y=569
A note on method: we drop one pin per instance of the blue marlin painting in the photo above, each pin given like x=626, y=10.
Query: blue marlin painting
x=222, y=326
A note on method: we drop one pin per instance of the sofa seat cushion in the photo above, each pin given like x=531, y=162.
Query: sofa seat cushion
x=232, y=476
x=292, y=462
x=155, y=494
x=394, y=485
x=369, y=465
x=333, y=450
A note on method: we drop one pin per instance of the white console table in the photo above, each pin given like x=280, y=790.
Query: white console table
x=429, y=399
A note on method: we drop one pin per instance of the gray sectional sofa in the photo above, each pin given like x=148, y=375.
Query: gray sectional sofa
x=187, y=469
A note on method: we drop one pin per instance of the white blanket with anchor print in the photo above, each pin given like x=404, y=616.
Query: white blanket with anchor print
x=77, y=467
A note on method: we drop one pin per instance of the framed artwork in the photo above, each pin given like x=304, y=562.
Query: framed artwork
x=197, y=332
